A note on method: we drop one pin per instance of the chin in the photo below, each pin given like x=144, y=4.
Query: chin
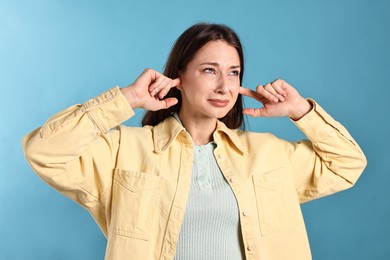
x=217, y=113
x=220, y=115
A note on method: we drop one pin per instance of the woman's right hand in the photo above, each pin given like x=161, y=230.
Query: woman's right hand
x=149, y=89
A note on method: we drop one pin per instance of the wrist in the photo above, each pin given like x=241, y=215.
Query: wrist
x=301, y=109
x=131, y=97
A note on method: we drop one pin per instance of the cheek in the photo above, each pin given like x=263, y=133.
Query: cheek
x=186, y=87
x=189, y=83
x=235, y=91
x=234, y=84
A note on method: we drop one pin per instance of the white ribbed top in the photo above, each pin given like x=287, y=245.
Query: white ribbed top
x=211, y=228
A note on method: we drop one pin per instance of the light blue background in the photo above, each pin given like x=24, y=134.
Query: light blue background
x=57, y=53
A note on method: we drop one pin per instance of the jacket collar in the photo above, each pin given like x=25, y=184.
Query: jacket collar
x=170, y=129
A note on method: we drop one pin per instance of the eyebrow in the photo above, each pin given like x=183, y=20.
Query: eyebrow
x=217, y=65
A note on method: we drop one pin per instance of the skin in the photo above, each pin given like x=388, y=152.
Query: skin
x=209, y=86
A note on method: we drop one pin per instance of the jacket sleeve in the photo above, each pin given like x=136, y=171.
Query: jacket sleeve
x=329, y=162
x=75, y=151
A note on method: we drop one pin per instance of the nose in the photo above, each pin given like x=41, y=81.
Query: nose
x=222, y=85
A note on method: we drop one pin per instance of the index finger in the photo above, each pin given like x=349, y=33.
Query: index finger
x=176, y=82
x=250, y=93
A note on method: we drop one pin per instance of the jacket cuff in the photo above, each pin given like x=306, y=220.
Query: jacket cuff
x=108, y=110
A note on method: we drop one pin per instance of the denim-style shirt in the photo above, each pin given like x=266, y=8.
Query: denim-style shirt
x=135, y=181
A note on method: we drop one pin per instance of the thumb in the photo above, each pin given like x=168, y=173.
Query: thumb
x=167, y=103
x=255, y=112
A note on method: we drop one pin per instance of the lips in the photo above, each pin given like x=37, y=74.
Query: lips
x=219, y=102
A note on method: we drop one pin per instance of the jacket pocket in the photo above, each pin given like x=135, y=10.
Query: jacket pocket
x=277, y=203
x=135, y=199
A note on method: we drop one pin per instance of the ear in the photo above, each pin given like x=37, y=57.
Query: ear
x=179, y=86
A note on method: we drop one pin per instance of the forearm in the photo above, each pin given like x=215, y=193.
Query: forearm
x=337, y=160
x=64, y=136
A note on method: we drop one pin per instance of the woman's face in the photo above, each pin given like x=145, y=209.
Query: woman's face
x=211, y=81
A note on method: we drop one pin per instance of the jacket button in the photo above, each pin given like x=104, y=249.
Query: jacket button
x=250, y=248
x=220, y=156
x=245, y=213
x=233, y=180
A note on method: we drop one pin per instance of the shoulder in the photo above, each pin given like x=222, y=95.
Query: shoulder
x=255, y=141
x=133, y=129
x=132, y=134
x=249, y=136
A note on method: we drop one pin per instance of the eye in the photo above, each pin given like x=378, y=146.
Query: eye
x=209, y=70
x=234, y=73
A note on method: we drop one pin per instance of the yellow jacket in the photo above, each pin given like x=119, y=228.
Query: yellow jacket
x=135, y=181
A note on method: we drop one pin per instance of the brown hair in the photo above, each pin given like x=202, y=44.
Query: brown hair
x=185, y=48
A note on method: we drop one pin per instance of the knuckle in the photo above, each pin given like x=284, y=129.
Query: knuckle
x=276, y=82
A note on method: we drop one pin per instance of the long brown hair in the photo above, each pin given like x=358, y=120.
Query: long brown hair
x=183, y=52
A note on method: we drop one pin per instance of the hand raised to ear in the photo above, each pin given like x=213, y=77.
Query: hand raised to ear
x=278, y=99
x=149, y=89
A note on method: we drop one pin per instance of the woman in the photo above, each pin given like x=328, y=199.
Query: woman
x=190, y=184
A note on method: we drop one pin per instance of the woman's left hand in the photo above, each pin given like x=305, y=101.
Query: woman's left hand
x=279, y=99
